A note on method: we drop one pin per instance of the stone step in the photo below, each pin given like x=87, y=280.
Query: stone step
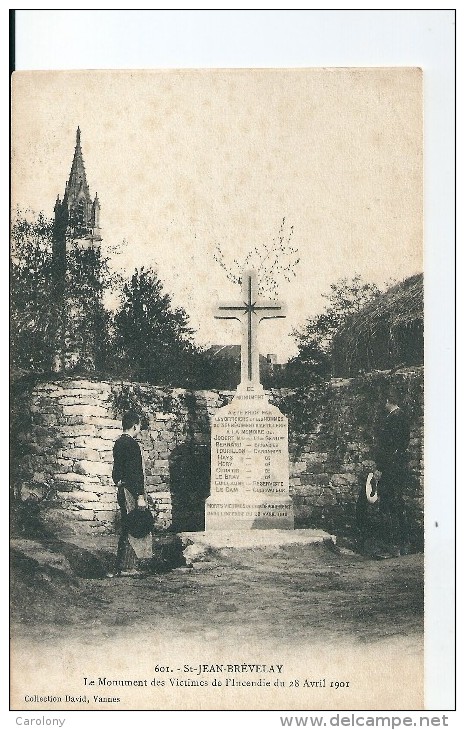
x=197, y=546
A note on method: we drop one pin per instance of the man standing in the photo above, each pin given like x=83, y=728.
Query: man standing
x=392, y=441
x=128, y=475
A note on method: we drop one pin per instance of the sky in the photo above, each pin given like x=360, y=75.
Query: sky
x=185, y=161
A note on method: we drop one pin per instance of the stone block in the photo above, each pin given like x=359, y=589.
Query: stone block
x=75, y=421
x=84, y=384
x=109, y=434
x=75, y=487
x=157, y=471
x=105, y=488
x=77, y=478
x=107, y=422
x=85, y=411
x=315, y=479
x=105, y=515
x=152, y=480
x=343, y=480
x=80, y=453
x=297, y=467
x=306, y=490
x=101, y=528
x=78, y=398
x=163, y=454
x=79, y=429
x=86, y=514
x=47, y=387
x=106, y=504
x=161, y=463
x=351, y=467
x=88, y=505
x=316, y=457
x=93, y=442
x=312, y=444
x=94, y=468
x=45, y=408
x=77, y=495
x=163, y=498
x=324, y=500
x=316, y=468
x=156, y=488
x=160, y=445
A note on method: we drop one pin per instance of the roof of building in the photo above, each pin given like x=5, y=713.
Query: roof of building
x=386, y=333
x=228, y=352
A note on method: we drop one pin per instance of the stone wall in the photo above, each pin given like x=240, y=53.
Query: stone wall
x=68, y=435
x=329, y=463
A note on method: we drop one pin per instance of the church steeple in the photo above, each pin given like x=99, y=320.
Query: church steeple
x=76, y=290
x=83, y=223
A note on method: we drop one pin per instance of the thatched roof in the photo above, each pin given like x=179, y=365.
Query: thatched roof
x=386, y=333
x=230, y=352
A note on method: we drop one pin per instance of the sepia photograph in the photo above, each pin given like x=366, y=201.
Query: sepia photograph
x=217, y=389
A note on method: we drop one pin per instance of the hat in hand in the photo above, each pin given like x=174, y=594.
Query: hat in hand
x=140, y=522
x=371, y=488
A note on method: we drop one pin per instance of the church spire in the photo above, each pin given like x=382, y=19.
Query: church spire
x=84, y=213
x=76, y=228
x=77, y=188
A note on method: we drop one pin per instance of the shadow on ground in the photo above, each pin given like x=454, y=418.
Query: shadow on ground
x=293, y=593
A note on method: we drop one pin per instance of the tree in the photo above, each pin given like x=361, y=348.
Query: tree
x=152, y=338
x=87, y=277
x=273, y=261
x=314, y=339
x=56, y=297
x=31, y=293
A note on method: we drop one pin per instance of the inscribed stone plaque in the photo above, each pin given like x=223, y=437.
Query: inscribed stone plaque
x=250, y=467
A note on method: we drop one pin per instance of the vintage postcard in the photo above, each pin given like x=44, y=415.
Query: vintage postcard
x=217, y=377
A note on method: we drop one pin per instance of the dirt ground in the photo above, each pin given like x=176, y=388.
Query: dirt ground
x=316, y=610
x=293, y=593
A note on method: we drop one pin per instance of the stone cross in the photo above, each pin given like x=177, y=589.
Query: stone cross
x=250, y=312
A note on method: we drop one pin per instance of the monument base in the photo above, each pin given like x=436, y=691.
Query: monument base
x=239, y=514
x=249, y=465
x=205, y=547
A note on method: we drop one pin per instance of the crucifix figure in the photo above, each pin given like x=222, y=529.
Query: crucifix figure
x=250, y=312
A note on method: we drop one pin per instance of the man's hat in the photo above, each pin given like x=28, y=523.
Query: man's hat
x=371, y=488
x=140, y=522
